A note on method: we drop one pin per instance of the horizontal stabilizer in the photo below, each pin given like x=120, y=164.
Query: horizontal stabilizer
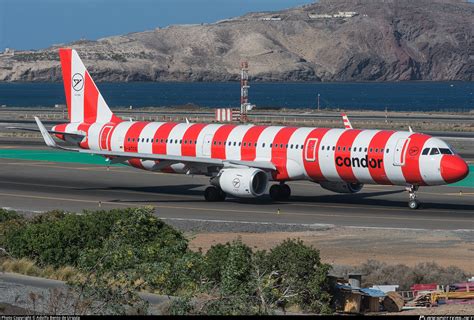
x=76, y=135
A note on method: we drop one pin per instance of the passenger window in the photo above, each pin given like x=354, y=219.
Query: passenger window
x=381, y=150
x=434, y=151
x=387, y=150
x=235, y=143
x=333, y=148
x=360, y=149
x=240, y=143
x=365, y=150
x=425, y=151
x=263, y=145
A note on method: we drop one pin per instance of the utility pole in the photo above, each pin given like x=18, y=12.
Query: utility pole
x=244, y=90
x=318, y=101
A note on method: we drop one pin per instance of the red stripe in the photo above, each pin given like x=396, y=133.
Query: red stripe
x=188, y=147
x=91, y=96
x=62, y=128
x=162, y=134
x=219, y=141
x=65, y=56
x=249, y=151
x=279, y=152
x=411, y=169
x=378, y=142
x=132, y=146
x=312, y=167
x=85, y=127
x=345, y=141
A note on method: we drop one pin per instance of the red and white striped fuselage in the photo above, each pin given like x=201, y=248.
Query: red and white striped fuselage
x=316, y=154
x=241, y=159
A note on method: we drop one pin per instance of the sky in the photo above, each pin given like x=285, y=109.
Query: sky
x=35, y=24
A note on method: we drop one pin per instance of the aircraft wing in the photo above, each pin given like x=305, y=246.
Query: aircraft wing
x=170, y=159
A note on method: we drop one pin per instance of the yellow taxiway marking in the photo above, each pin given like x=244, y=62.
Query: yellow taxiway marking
x=229, y=210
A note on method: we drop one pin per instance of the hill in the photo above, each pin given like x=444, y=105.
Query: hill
x=332, y=40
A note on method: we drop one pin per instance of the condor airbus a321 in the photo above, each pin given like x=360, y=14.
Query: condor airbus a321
x=241, y=160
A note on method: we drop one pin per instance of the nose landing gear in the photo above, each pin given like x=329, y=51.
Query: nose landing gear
x=412, y=202
x=280, y=192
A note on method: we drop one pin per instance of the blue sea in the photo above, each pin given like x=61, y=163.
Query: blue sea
x=413, y=96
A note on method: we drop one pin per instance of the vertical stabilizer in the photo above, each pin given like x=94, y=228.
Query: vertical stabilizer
x=84, y=102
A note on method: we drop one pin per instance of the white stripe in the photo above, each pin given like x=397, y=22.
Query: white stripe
x=207, y=130
x=176, y=133
x=93, y=136
x=104, y=114
x=118, y=135
x=267, y=136
x=77, y=93
x=326, y=159
x=295, y=156
x=362, y=140
x=394, y=173
x=236, y=135
x=430, y=164
x=148, y=132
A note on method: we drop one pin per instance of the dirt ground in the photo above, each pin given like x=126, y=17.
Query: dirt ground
x=353, y=246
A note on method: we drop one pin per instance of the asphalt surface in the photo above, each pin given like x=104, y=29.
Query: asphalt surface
x=35, y=186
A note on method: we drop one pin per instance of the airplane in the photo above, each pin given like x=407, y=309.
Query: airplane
x=242, y=160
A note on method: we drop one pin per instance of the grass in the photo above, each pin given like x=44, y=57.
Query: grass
x=28, y=267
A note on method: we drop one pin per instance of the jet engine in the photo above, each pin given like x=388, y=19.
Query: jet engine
x=243, y=183
x=342, y=187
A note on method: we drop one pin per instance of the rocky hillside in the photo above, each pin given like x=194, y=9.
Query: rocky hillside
x=385, y=40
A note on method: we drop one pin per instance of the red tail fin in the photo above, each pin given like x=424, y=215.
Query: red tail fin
x=83, y=99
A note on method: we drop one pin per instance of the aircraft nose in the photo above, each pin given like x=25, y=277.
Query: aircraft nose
x=453, y=168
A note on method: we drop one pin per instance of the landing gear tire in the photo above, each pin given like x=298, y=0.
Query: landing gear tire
x=413, y=204
x=275, y=191
x=212, y=194
x=222, y=195
x=285, y=192
x=280, y=192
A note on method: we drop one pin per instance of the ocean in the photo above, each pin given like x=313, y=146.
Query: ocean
x=402, y=96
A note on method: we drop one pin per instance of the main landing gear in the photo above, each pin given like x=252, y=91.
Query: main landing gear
x=214, y=194
x=280, y=192
x=412, y=202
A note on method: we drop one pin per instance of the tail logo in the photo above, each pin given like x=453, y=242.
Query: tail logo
x=77, y=82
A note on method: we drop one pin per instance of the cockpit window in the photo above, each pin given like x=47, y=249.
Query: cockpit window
x=425, y=151
x=445, y=151
x=434, y=151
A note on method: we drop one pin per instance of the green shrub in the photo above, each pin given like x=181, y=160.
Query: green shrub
x=293, y=274
x=57, y=238
x=7, y=215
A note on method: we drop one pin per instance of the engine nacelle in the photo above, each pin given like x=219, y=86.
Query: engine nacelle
x=342, y=187
x=243, y=183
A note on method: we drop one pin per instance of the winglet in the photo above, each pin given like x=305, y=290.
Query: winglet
x=347, y=123
x=46, y=136
x=187, y=120
x=409, y=128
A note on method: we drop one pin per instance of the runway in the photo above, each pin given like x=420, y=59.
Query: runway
x=36, y=186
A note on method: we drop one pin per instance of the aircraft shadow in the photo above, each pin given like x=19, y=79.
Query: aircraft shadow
x=363, y=199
